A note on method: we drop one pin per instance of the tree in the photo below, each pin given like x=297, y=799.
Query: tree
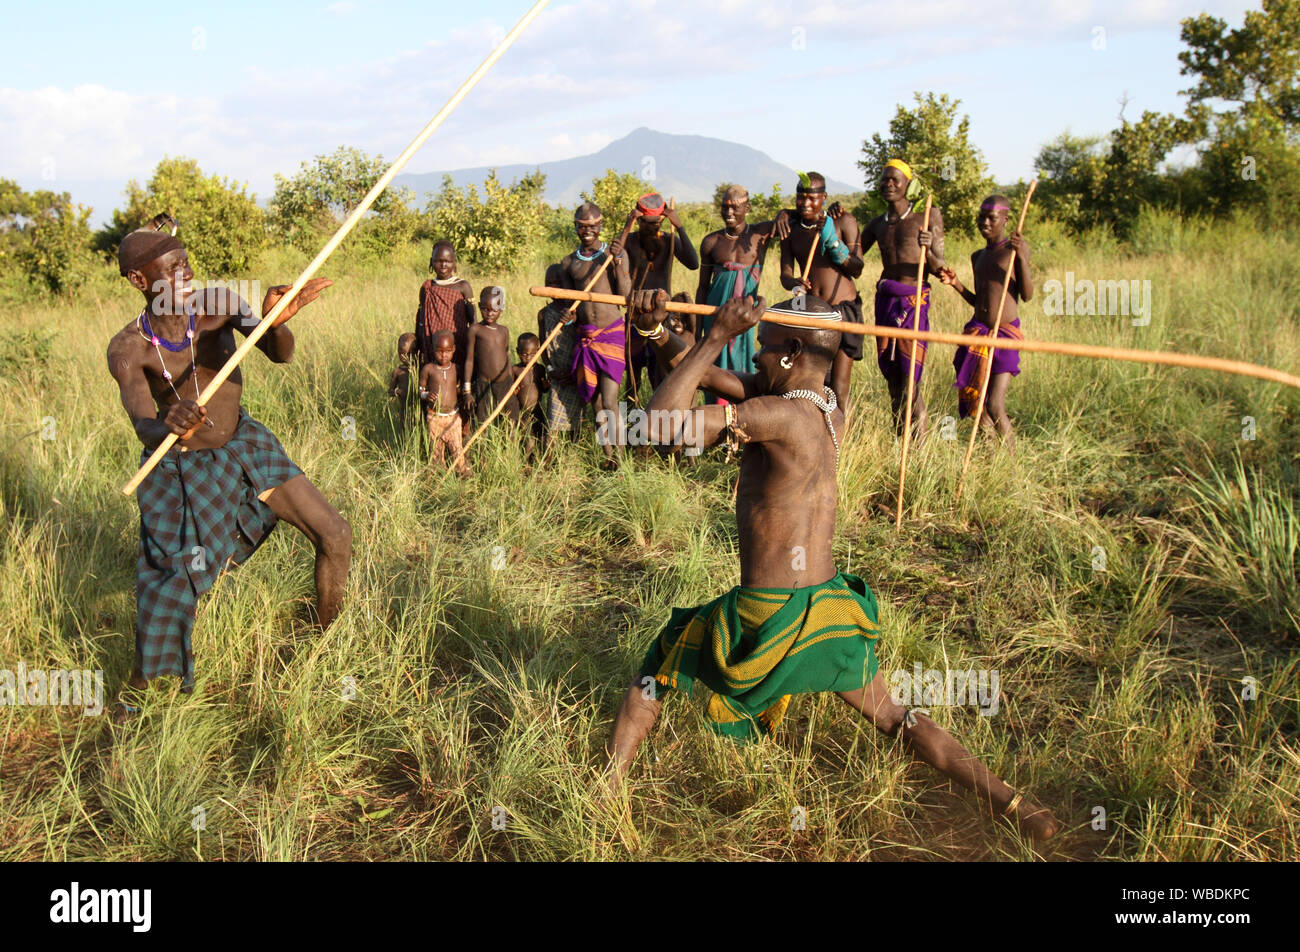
x=1249, y=154
x=940, y=155
x=616, y=194
x=310, y=206
x=491, y=234
x=1256, y=65
x=1071, y=174
x=45, y=237
x=220, y=223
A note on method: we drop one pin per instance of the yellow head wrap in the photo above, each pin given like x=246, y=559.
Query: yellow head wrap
x=901, y=166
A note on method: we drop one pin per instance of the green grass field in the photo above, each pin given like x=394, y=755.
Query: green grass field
x=479, y=685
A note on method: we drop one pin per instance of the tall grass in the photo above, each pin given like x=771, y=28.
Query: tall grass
x=492, y=624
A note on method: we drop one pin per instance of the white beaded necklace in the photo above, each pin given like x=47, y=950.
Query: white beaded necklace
x=826, y=405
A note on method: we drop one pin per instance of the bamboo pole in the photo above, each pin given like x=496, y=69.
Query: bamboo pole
x=528, y=367
x=1091, y=351
x=997, y=324
x=268, y=320
x=911, y=368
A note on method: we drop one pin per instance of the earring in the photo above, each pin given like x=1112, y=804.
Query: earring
x=786, y=362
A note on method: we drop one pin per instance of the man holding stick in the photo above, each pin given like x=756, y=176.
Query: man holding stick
x=828, y=254
x=794, y=624
x=899, y=303
x=650, y=256
x=731, y=265
x=991, y=266
x=215, y=496
x=598, y=356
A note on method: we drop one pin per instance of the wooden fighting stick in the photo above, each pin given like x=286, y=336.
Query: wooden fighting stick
x=1090, y=351
x=911, y=368
x=993, y=336
x=268, y=320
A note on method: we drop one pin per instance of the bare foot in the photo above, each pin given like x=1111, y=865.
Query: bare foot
x=1036, y=820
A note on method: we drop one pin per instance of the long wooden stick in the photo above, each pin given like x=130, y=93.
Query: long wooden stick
x=528, y=367
x=911, y=368
x=993, y=337
x=1091, y=351
x=807, y=266
x=268, y=320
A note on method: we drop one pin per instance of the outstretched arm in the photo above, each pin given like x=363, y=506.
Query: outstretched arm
x=674, y=399
x=277, y=343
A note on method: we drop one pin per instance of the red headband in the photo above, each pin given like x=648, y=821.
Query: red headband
x=652, y=211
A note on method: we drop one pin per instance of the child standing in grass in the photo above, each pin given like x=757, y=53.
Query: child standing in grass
x=990, y=266
x=488, y=373
x=438, y=388
x=526, y=405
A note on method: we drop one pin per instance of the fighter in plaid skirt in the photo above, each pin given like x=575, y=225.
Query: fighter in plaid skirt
x=219, y=492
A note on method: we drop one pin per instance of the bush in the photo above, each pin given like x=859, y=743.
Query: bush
x=45, y=239
x=309, y=207
x=491, y=235
x=941, y=156
x=220, y=223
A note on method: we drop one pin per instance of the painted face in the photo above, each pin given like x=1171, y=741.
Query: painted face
x=734, y=212
x=526, y=351
x=991, y=221
x=443, y=351
x=170, y=278
x=444, y=263
x=893, y=184
x=809, y=204
x=588, y=230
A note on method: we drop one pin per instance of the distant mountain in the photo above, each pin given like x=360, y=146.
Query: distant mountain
x=688, y=168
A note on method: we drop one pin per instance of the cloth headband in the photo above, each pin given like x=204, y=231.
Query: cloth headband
x=140, y=247
x=901, y=166
x=651, y=204
x=827, y=316
x=810, y=189
x=995, y=206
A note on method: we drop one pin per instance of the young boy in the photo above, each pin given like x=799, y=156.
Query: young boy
x=487, y=358
x=438, y=389
x=564, y=411
x=990, y=265
x=526, y=404
x=793, y=625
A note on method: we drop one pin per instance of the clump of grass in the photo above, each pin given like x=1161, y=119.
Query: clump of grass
x=1245, y=542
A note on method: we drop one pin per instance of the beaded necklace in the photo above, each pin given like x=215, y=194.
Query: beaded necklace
x=146, y=331
x=826, y=405
x=599, y=251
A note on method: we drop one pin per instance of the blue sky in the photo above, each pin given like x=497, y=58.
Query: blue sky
x=91, y=96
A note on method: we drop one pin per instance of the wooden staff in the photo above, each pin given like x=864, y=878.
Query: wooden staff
x=807, y=266
x=911, y=368
x=376, y=190
x=528, y=366
x=997, y=323
x=1091, y=351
